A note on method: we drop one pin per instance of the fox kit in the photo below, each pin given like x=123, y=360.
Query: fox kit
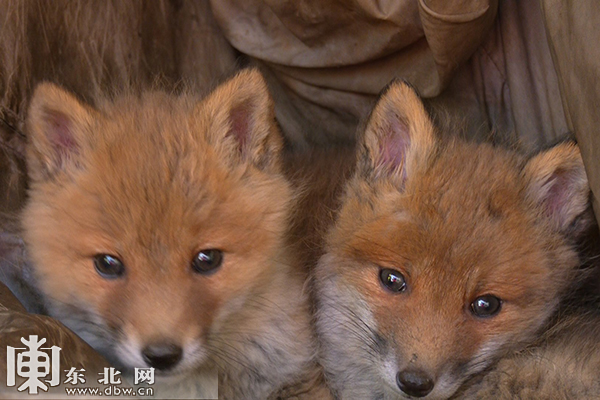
x=444, y=256
x=156, y=225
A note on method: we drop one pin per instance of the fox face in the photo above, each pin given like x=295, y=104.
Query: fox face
x=155, y=222
x=444, y=256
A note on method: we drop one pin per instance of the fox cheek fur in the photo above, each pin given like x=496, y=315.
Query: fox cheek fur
x=444, y=256
x=157, y=224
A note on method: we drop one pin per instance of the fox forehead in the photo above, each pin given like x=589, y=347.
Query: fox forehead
x=449, y=224
x=148, y=161
x=466, y=182
x=165, y=225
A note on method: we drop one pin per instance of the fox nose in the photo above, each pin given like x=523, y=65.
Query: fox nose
x=162, y=356
x=414, y=382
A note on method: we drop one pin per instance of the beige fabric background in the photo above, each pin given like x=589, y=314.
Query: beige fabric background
x=574, y=34
x=329, y=59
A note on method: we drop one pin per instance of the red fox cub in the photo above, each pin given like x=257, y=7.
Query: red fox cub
x=445, y=255
x=157, y=224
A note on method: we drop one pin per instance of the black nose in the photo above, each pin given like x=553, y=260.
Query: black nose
x=162, y=356
x=414, y=382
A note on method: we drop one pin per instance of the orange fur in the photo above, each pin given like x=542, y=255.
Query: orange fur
x=458, y=220
x=154, y=180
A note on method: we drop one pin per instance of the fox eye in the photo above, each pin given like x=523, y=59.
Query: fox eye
x=486, y=306
x=108, y=267
x=207, y=261
x=392, y=280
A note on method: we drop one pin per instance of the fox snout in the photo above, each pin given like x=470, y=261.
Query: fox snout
x=163, y=355
x=417, y=375
x=415, y=382
x=167, y=354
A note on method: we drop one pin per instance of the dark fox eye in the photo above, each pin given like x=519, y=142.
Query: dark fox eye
x=392, y=280
x=108, y=267
x=486, y=306
x=207, y=261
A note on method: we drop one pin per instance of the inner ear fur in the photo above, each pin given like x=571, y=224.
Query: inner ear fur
x=241, y=120
x=557, y=182
x=399, y=134
x=57, y=123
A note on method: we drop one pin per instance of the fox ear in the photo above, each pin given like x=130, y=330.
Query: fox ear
x=242, y=120
x=56, y=124
x=399, y=133
x=557, y=181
